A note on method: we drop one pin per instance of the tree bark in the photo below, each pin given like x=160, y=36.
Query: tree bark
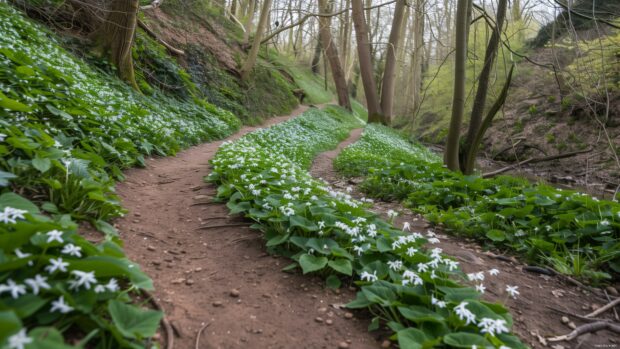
x=253, y=55
x=116, y=36
x=418, y=56
x=387, y=90
x=332, y=56
x=451, y=155
x=249, y=21
x=365, y=62
x=469, y=156
x=316, y=58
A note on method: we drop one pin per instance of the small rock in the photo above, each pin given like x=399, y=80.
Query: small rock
x=343, y=345
x=189, y=282
x=322, y=310
x=612, y=290
x=386, y=344
x=329, y=322
x=234, y=293
x=178, y=281
x=201, y=197
x=137, y=214
x=319, y=319
x=348, y=315
x=217, y=304
x=151, y=248
x=135, y=221
x=565, y=320
x=198, y=270
x=572, y=325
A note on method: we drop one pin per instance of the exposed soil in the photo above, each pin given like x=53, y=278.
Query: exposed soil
x=534, y=317
x=196, y=270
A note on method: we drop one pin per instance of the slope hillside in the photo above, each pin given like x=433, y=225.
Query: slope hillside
x=573, y=109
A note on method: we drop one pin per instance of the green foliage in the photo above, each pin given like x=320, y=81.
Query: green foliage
x=52, y=276
x=413, y=291
x=573, y=232
x=313, y=85
x=68, y=130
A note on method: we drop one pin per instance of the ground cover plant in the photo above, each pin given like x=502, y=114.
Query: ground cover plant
x=417, y=292
x=571, y=232
x=66, y=132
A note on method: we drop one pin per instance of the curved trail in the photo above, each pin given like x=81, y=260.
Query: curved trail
x=196, y=270
x=534, y=320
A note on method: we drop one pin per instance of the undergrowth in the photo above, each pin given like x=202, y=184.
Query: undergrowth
x=415, y=292
x=571, y=232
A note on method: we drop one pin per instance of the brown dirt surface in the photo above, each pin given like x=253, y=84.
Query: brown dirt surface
x=222, y=277
x=543, y=300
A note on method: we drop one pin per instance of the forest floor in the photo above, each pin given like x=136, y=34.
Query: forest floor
x=209, y=269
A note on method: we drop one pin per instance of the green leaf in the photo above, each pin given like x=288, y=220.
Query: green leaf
x=15, y=201
x=11, y=104
x=374, y=324
x=496, y=235
x=465, y=340
x=333, y=281
x=342, y=266
x=134, y=322
x=459, y=294
x=42, y=164
x=277, y=240
x=106, y=228
x=310, y=263
x=411, y=338
x=304, y=223
x=420, y=314
x=5, y=177
x=9, y=324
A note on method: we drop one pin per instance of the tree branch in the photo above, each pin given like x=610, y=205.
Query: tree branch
x=535, y=160
x=152, y=34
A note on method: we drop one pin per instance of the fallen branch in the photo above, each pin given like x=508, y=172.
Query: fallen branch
x=536, y=160
x=587, y=328
x=225, y=226
x=164, y=321
x=199, y=333
x=580, y=317
x=604, y=308
x=152, y=34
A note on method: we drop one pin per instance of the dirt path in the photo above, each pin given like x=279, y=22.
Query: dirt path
x=196, y=270
x=533, y=317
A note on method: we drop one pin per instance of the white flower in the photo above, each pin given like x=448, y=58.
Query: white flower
x=492, y=326
x=19, y=340
x=60, y=306
x=2, y=137
x=410, y=277
x=395, y=265
x=437, y=302
x=476, y=276
x=21, y=254
x=11, y=215
x=54, y=235
x=15, y=289
x=287, y=211
x=406, y=226
x=72, y=250
x=411, y=251
x=493, y=272
x=392, y=213
x=321, y=224
x=369, y=277
x=57, y=264
x=480, y=288
x=82, y=279
x=39, y=282
x=464, y=314
x=434, y=240
x=112, y=285
x=605, y=222
x=512, y=290
x=422, y=267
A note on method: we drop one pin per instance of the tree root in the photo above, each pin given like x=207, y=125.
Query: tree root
x=535, y=160
x=199, y=333
x=225, y=226
x=603, y=309
x=152, y=34
x=587, y=328
x=164, y=321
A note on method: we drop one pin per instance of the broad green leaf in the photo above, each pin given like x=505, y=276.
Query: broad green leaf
x=496, y=235
x=11, y=104
x=15, y=201
x=134, y=322
x=42, y=164
x=310, y=263
x=304, y=223
x=333, y=281
x=411, y=338
x=465, y=340
x=9, y=324
x=341, y=265
x=5, y=177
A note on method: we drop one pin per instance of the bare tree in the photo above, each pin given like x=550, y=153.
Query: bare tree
x=331, y=53
x=387, y=87
x=366, y=69
x=116, y=36
x=253, y=55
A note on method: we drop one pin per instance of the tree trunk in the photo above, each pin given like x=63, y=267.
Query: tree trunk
x=316, y=58
x=418, y=56
x=332, y=56
x=451, y=155
x=387, y=87
x=516, y=10
x=115, y=37
x=469, y=156
x=366, y=69
x=249, y=21
x=253, y=55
